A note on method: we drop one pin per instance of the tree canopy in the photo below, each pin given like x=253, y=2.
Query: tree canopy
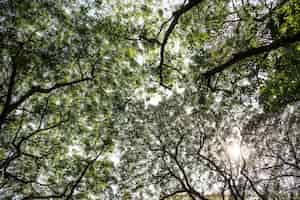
x=149, y=99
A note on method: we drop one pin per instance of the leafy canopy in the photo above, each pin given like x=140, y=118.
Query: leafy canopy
x=138, y=100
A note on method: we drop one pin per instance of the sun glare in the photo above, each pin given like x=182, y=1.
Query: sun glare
x=234, y=151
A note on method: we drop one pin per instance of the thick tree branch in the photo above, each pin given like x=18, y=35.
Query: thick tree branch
x=68, y=193
x=75, y=185
x=252, y=184
x=35, y=89
x=283, y=42
x=183, y=172
x=10, y=86
x=174, y=21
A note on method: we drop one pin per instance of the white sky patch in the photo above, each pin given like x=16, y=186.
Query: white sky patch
x=57, y=102
x=218, y=98
x=169, y=5
x=140, y=59
x=19, y=112
x=32, y=126
x=154, y=100
x=188, y=109
x=42, y=178
x=166, y=92
x=179, y=90
x=186, y=62
x=176, y=47
x=115, y=157
x=263, y=75
x=115, y=188
x=244, y=82
x=234, y=151
x=234, y=148
x=140, y=21
x=75, y=150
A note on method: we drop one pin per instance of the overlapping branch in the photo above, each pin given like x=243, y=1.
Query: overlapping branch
x=68, y=192
x=174, y=21
x=9, y=107
x=237, y=57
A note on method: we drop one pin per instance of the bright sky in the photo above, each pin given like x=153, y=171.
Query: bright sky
x=234, y=151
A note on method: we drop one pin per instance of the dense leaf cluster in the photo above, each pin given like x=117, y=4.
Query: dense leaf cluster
x=145, y=100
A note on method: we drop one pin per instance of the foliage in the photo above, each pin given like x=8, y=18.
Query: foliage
x=164, y=87
x=237, y=62
x=63, y=78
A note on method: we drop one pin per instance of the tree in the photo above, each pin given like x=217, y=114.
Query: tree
x=63, y=78
x=234, y=57
x=76, y=75
x=278, y=152
x=170, y=150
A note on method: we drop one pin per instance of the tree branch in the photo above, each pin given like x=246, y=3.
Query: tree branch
x=82, y=175
x=35, y=89
x=176, y=15
x=166, y=196
x=283, y=42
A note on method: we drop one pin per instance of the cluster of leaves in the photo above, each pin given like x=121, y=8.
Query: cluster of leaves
x=283, y=85
x=175, y=150
x=65, y=74
x=70, y=71
x=232, y=54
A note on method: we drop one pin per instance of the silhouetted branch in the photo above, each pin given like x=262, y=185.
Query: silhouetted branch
x=174, y=21
x=283, y=42
x=166, y=196
x=35, y=89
